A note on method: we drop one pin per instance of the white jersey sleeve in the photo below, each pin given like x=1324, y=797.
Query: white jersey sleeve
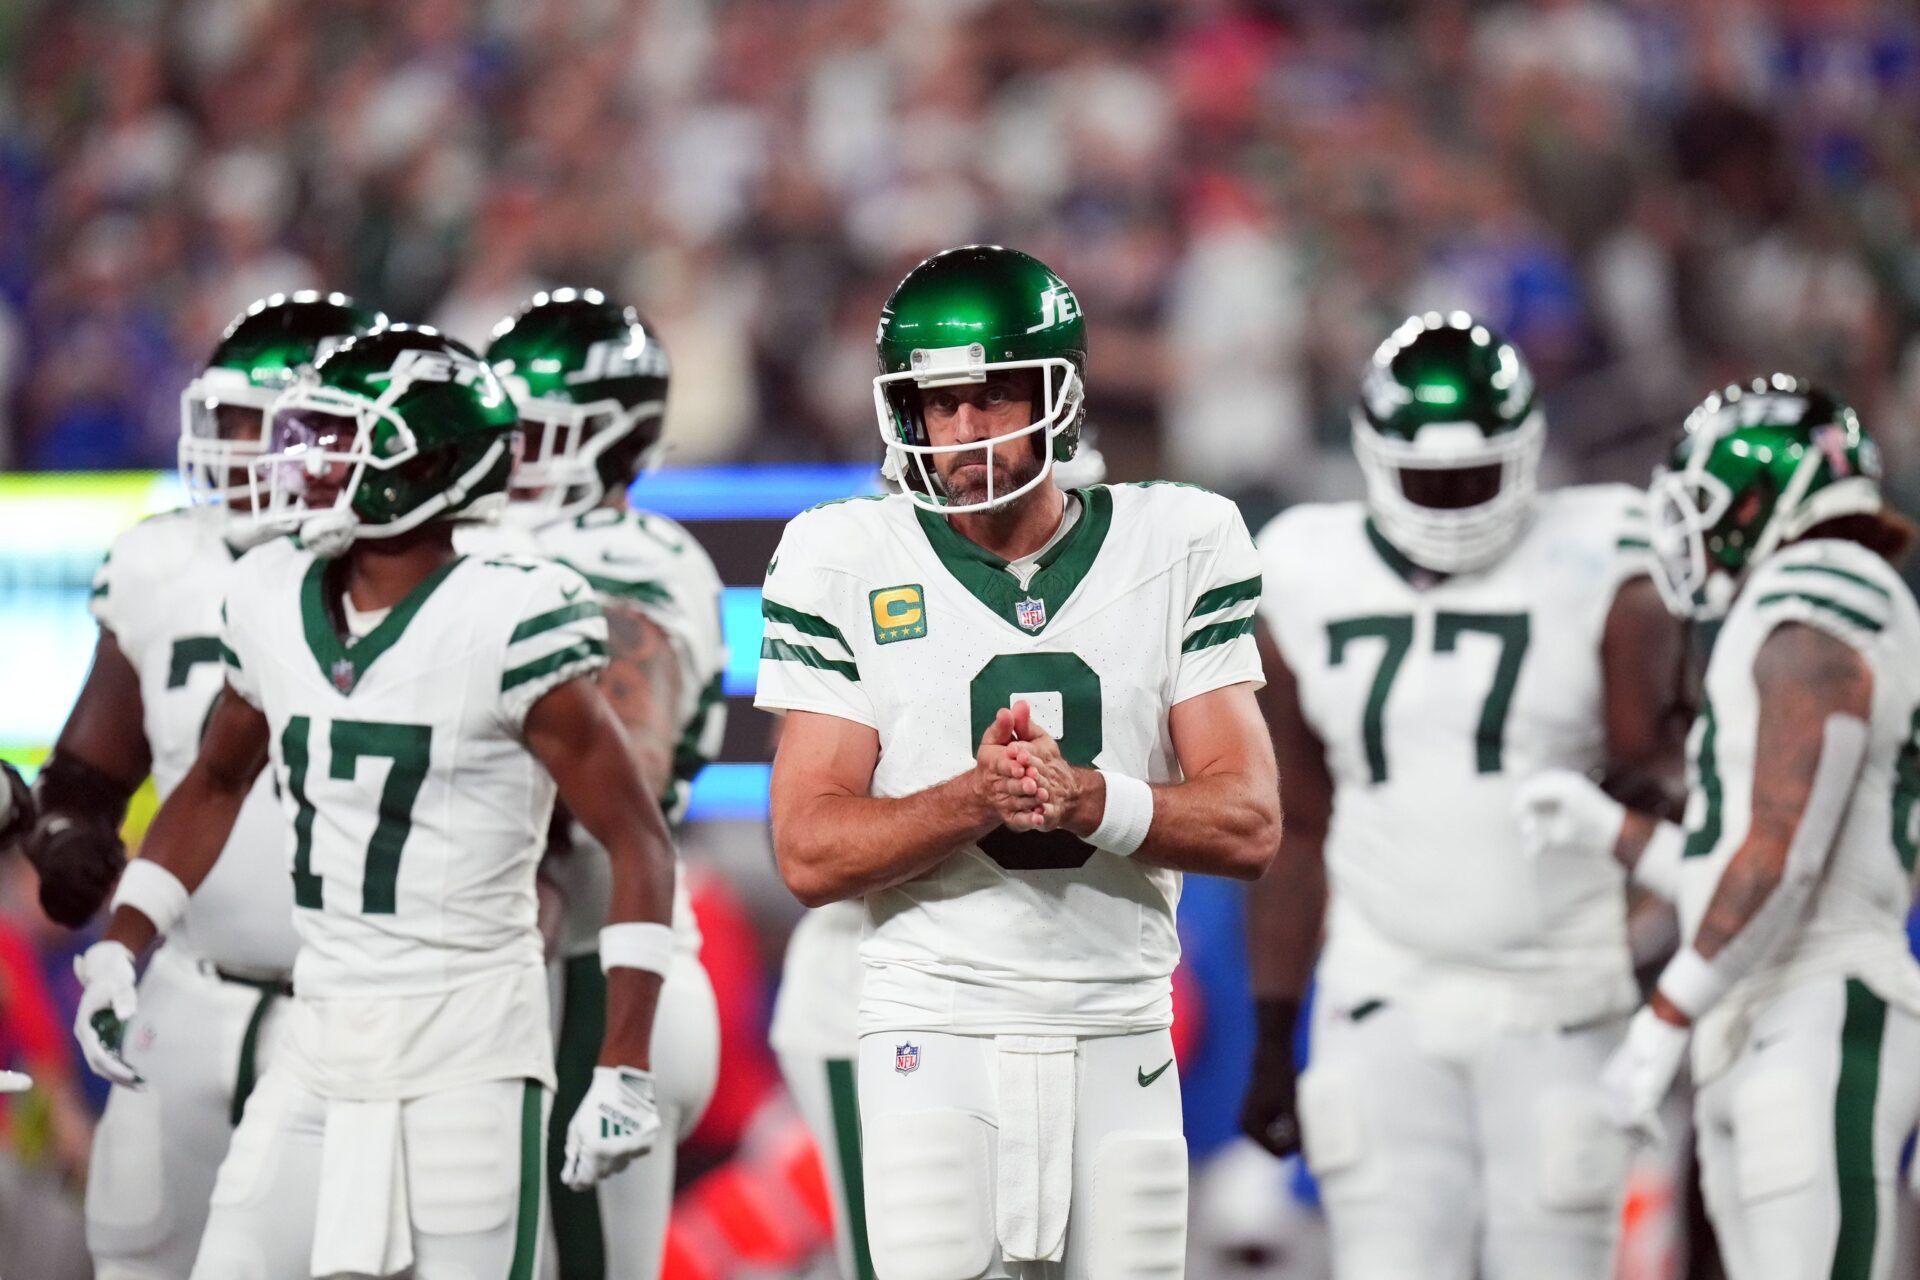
x=1224, y=579
x=806, y=661
x=561, y=636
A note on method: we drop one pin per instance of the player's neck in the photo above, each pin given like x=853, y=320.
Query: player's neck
x=381, y=572
x=1018, y=529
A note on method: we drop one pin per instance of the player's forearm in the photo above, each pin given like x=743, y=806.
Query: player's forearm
x=1286, y=914
x=640, y=855
x=632, y=997
x=1222, y=824
x=185, y=840
x=832, y=847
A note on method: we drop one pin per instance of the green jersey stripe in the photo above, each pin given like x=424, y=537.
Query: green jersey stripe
x=229, y=657
x=555, y=618
x=643, y=591
x=781, y=651
x=1220, y=597
x=807, y=623
x=1834, y=607
x=1628, y=542
x=1835, y=571
x=1218, y=633
x=581, y=651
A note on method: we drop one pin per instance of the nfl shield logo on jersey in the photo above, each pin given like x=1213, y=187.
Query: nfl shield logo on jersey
x=906, y=1057
x=343, y=675
x=1030, y=613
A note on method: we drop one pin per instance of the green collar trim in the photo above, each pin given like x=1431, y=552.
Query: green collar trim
x=343, y=665
x=1409, y=572
x=985, y=575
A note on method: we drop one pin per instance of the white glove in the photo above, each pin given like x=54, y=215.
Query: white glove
x=616, y=1124
x=105, y=970
x=1561, y=811
x=1636, y=1078
x=15, y=1082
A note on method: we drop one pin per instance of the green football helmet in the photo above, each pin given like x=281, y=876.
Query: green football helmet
x=223, y=411
x=1449, y=437
x=1755, y=467
x=394, y=429
x=590, y=377
x=954, y=319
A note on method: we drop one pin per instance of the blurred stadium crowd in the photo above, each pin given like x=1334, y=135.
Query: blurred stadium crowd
x=1649, y=196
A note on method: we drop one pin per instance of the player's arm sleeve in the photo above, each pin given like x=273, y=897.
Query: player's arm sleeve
x=559, y=634
x=1217, y=646
x=807, y=658
x=242, y=676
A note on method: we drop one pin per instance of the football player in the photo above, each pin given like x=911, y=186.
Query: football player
x=210, y=1001
x=815, y=1032
x=1794, y=866
x=1013, y=717
x=1430, y=647
x=420, y=709
x=590, y=378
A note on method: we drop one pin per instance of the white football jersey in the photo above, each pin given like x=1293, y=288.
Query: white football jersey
x=1433, y=697
x=882, y=614
x=417, y=814
x=159, y=593
x=1855, y=924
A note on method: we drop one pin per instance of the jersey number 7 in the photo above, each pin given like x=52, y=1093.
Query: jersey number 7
x=1396, y=630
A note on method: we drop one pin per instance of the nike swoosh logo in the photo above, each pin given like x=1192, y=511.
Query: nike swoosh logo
x=568, y=593
x=1147, y=1079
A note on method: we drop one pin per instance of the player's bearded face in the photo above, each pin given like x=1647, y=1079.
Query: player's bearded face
x=975, y=412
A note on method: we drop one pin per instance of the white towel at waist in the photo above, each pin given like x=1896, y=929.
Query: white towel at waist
x=362, y=1226
x=1034, y=1183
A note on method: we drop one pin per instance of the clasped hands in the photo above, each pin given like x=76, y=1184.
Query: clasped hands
x=1020, y=774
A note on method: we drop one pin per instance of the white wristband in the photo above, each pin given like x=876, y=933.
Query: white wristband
x=1129, y=812
x=1692, y=983
x=154, y=892
x=637, y=946
x=1658, y=869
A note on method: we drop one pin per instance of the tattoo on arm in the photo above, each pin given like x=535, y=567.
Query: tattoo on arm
x=642, y=685
x=1803, y=676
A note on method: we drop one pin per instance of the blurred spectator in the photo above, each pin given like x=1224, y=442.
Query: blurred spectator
x=1247, y=194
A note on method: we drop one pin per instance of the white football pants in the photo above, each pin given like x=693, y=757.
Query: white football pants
x=619, y=1228
x=937, y=1140
x=472, y=1164
x=1450, y=1148
x=201, y=1043
x=1800, y=1137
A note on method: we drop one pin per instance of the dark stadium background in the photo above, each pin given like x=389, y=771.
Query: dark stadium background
x=1651, y=197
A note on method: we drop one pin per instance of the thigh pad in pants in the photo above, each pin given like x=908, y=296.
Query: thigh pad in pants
x=463, y=1158
x=929, y=1180
x=1138, y=1207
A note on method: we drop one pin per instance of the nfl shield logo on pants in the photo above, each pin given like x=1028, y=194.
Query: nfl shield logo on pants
x=1030, y=613
x=906, y=1057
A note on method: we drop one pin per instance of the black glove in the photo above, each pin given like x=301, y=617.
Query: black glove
x=16, y=806
x=78, y=862
x=1268, y=1116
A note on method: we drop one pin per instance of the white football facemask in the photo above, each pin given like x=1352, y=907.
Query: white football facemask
x=1456, y=540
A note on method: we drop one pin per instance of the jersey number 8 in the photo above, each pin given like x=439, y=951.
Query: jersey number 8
x=1013, y=676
